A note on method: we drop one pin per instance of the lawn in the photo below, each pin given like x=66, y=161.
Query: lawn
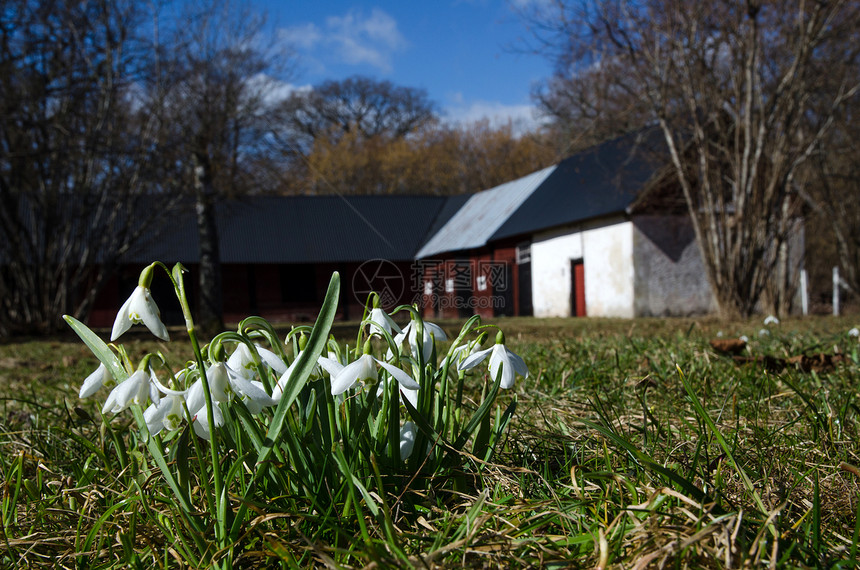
x=633, y=444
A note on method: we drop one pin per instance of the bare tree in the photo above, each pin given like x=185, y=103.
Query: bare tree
x=215, y=83
x=735, y=89
x=360, y=107
x=76, y=154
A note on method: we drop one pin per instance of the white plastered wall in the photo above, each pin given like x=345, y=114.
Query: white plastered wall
x=606, y=248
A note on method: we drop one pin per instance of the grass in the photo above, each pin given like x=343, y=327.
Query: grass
x=634, y=445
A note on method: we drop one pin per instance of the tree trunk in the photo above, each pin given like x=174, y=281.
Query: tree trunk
x=210, y=319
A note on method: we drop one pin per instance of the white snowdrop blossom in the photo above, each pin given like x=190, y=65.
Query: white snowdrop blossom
x=407, y=440
x=744, y=338
x=134, y=390
x=139, y=308
x=511, y=364
x=165, y=415
x=218, y=377
x=763, y=332
x=855, y=332
x=379, y=320
x=94, y=382
x=771, y=320
x=242, y=361
x=363, y=369
x=201, y=421
x=223, y=381
x=463, y=351
x=410, y=333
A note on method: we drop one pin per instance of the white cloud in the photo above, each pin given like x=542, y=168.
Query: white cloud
x=273, y=90
x=354, y=38
x=521, y=116
x=302, y=37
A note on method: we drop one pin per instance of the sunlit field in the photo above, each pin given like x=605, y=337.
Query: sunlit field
x=631, y=444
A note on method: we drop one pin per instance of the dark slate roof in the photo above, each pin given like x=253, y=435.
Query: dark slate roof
x=599, y=181
x=306, y=229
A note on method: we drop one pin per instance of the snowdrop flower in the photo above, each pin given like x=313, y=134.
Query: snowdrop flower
x=139, y=308
x=510, y=363
x=133, y=390
x=855, y=332
x=407, y=440
x=218, y=378
x=763, y=332
x=165, y=415
x=243, y=362
x=364, y=369
x=410, y=332
x=465, y=350
x=223, y=381
x=94, y=382
x=323, y=363
x=771, y=320
x=744, y=338
x=200, y=422
x=379, y=320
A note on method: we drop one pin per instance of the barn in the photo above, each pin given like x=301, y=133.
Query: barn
x=595, y=235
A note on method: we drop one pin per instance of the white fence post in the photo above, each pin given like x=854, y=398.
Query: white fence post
x=836, y=291
x=804, y=293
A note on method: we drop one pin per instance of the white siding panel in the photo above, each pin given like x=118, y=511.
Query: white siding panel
x=607, y=253
x=609, y=270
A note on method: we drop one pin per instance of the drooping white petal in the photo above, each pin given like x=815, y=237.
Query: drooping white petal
x=330, y=365
x=242, y=361
x=430, y=334
x=407, y=440
x=411, y=395
x=436, y=331
x=379, y=320
x=219, y=382
x=122, y=323
x=510, y=363
x=474, y=359
x=133, y=390
x=194, y=397
x=139, y=308
x=499, y=359
x=150, y=315
x=252, y=391
x=256, y=404
x=94, y=382
x=165, y=415
x=405, y=380
x=272, y=360
x=201, y=421
x=361, y=369
x=463, y=351
x=154, y=394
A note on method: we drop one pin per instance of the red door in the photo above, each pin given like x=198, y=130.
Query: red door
x=577, y=289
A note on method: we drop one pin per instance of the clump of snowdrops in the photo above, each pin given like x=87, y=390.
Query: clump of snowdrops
x=303, y=421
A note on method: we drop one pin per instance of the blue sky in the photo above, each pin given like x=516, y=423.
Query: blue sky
x=468, y=54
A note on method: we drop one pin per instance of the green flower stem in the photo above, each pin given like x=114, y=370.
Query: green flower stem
x=179, y=286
